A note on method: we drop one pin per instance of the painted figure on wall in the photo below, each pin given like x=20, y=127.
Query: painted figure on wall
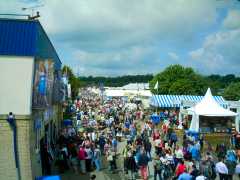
x=43, y=84
x=50, y=74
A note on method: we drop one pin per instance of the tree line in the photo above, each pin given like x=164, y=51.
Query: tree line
x=115, y=81
x=174, y=79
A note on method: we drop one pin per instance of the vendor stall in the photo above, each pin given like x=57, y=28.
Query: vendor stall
x=211, y=116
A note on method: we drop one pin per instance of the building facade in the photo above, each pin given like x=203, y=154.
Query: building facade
x=30, y=88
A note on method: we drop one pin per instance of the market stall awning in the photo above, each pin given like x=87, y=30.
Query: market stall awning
x=171, y=101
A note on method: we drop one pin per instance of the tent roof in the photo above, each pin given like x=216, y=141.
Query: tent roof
x=209, y=107
x=170, y=101
x=114, y=93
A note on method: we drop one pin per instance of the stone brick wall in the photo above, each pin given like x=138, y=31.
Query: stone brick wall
x=7, y=161
x=7, y=158
x=35, y=156
x=29, y=159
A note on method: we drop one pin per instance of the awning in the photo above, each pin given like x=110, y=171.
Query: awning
x=171, y=101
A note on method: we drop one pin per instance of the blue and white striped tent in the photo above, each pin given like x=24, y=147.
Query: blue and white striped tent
x=171, y=101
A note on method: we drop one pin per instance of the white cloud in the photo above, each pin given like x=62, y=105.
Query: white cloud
x=173, y=56
x=109, y=37
x=232, y=21
x=126, y=61
x=219, y=53
x=196, y=54
x=111, y=23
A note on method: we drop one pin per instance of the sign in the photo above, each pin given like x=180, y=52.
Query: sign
x=43, y=83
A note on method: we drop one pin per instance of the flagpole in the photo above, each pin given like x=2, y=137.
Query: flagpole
x=157, y=106
x=156, y=87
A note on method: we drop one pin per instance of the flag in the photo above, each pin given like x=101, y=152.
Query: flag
x=156, y=85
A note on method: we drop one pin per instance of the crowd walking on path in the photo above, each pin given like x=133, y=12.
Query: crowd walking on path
x=100, y=126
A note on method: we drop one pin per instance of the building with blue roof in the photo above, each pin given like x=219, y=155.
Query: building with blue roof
x=30, y=88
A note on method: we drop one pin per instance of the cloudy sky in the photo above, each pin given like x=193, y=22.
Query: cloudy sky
x=118, y=37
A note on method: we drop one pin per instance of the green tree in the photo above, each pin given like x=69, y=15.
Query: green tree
x=73, y=80
x=232, y=92
x=177, y=79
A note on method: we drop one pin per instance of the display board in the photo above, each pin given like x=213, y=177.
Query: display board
x=43, y=83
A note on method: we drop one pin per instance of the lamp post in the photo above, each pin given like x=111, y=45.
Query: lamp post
x=12, y=122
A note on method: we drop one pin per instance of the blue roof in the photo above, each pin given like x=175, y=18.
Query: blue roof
x=171, y=101
x=26, y=38
x=18, y=38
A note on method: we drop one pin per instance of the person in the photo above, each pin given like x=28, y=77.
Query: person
x=231, y=166
x=125, y=157
x=82, y=158
x=185, y=176
x=158, y=166
x=180, y=168
x=222, y=169
x=88, y=158
x=189, y=165
x=156, y=135
x=102, y=142
x=114, y=144
x=143, y=164
x=237, y=170
x=130, y=163
x=73, y=158
x=178, y=154
x=205, y=169
x=173, y=138
x=195, y=151
x=109, y=156
x=148, y=147
x=65, y=152
x=195, y=172
x=97, y=158
x=60, y=160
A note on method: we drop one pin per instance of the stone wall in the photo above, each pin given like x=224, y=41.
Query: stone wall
x=29, y=159
x=7, y=159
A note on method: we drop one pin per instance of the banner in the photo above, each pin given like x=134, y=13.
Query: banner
x=43, y=83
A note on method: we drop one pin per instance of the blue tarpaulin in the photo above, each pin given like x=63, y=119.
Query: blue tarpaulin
x=193, y=134
x=48, y=178
x=155, y=119
x=67, y=122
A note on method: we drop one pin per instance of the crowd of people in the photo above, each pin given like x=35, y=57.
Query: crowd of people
x=100, y=125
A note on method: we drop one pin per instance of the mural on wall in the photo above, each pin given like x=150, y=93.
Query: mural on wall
x=43, y=83
x=58, y=88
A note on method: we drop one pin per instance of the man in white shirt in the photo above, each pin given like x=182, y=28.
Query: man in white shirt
x=222, y=169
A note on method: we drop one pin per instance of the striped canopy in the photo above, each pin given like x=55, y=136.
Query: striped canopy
x=171, y=101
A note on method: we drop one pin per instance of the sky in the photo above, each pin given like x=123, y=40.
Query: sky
x=127, y=37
